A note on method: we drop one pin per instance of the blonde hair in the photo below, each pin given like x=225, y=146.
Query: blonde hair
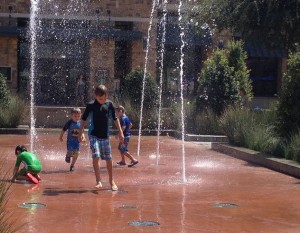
x=75, y=111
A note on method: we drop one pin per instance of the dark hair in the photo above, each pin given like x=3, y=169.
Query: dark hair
x=101, y=90
x=20, y=148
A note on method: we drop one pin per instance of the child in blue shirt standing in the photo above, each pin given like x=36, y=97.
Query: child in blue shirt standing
x=126, y=125
x=73, y=144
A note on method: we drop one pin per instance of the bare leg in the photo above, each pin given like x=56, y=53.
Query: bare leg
x=109, y=166
x=123, y=158
x=74, y=159
x=128, y=155
x=96, y=165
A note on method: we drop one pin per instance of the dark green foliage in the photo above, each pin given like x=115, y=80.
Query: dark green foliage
x=289, y=99
x=292, y=149
x=203, y=123
x=12, y=114
x=274, y=23
x=4, y=94
x=217, y=87
x=223, y=75
x=236, y=59
x=131, y=88
x=252, y=129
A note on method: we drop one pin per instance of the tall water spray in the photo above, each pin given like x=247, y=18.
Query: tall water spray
x=162, y=51
x=33, y=45
x=144, y=77
x=181, y=90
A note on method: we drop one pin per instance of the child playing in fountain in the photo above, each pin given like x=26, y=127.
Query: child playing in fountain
x=32, y=166
x=126, y=125
x=101, y=110
x=73, y=144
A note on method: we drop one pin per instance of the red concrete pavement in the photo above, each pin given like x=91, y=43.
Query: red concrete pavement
x=266, y=201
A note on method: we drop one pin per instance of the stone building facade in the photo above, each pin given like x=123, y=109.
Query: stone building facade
x=109, y=23
x=104, y=40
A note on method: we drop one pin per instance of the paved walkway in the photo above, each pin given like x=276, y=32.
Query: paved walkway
x=221, y=193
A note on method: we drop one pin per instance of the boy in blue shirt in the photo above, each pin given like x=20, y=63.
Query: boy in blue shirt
x=100, y=111
x=73, y=144
x=126, y=125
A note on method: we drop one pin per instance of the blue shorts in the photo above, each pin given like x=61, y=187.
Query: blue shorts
x=100, y=148
x=123, y=146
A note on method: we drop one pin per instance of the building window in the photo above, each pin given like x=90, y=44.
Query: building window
x=263, y=73
x=6, y=72
x=101, y=76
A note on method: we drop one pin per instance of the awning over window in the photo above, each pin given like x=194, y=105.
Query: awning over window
x=189, y=36
x=74, y=34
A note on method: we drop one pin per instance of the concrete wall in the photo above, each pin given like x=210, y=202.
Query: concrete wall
x=50, y=117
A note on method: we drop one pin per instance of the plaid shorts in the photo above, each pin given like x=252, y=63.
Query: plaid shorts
x=123, y=146
x=100, y=148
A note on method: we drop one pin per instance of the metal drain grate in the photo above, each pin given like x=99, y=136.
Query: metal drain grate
x=143, y=223
x=31, y=205
x=225, y=205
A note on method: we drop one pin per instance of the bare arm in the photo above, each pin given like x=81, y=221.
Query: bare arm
x=83, y=139
x=81, y=129
x=61, y=135
x=16, y=169
x=118, y=125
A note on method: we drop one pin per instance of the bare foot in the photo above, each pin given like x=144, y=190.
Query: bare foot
x=114, y=187
x=98, y=185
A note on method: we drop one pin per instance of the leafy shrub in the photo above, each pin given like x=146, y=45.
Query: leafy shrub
x=4, y=93
x=203, y=122
x=288, y=112
x=170, y=117
x=292, y=149
x=253, y=130
x=223, y=75
x=131, y=89
x=262, y=138
x=12, y=113
x=234, y=123
x=236, y=59
x=133, y=112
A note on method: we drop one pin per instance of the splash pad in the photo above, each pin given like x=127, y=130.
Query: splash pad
x=152, y=193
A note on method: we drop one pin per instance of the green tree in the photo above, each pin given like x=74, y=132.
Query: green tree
x=288, y=111
x=273, y=22
x=223, y=75
x=236, y=59
x=131, y=88
x=218, y=87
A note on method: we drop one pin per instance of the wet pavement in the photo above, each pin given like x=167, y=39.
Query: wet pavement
x=221, y=193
